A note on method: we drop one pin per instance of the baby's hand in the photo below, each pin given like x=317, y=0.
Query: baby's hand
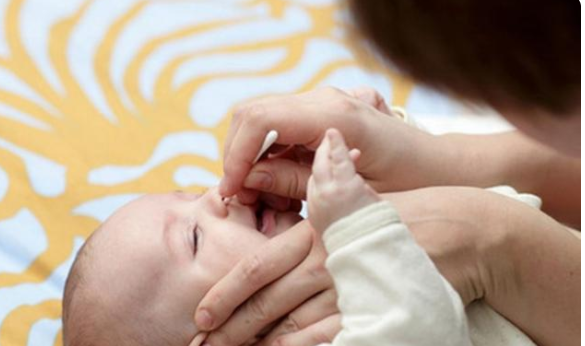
x=335, y=189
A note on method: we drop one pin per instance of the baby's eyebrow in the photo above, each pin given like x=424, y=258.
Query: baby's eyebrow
x=187, y=196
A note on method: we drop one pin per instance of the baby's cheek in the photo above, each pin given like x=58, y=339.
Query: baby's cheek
x=216, y=258
x=222, y=250
x=241, y=246
x=202, y=277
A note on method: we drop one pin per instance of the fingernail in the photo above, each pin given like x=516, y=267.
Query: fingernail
x=331, y=136
x=204, y=320
x=259, y=180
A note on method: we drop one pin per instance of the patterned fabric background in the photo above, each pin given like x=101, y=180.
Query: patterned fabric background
x=101, y=101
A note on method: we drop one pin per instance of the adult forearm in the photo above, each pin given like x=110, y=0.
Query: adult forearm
x=543, y=298
x=513, y=159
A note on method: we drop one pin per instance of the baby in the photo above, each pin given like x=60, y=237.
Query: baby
x=139, y=278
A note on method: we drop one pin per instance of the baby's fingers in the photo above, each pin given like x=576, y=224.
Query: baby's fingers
x=342, y=168
x=321, y=163
x=355, y=155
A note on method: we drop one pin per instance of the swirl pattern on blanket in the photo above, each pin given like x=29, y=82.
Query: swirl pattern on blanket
x=102, y=101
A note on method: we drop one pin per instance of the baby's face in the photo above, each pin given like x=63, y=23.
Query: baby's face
x=157, y=256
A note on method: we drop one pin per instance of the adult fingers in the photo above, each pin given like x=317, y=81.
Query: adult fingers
x=290, y=291
x=281, y=204
x=248, y=196
x=371, y=97
x=234, y=126
x=252, y=122
x=280, y=177
x=299, y=120
x=276, y=202
x=303, y=155
x=276, y=258
x=318, y=333
x=240, y=112
x=247, y=141
x=319, y=307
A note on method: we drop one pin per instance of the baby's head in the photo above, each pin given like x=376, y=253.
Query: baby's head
x=140, y=276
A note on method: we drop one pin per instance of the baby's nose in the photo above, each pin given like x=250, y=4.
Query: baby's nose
x=217, y=203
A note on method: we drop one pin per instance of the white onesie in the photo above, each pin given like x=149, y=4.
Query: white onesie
x=391, y=293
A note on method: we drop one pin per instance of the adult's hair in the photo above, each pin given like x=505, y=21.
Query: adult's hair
x=502, y=53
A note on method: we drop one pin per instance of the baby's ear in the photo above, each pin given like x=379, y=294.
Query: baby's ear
x=198, y=339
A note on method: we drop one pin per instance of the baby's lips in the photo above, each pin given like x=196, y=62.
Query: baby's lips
x=199, y=339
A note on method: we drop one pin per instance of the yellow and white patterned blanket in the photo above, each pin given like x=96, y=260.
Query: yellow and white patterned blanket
x=104, y=100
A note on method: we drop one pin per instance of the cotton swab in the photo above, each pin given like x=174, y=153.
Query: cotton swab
x=270, y=139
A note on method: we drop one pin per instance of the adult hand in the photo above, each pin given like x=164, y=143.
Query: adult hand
x=395, y=156
x=293, y=333
x=482, y=242
x=477, y=239
x=520, y=261
x=286, y=278
x=458, y=228
x=449, y=224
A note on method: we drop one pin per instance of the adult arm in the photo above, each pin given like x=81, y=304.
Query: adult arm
x=516, y=160
x=525, y=264
x=459, y=160
x=395, y=156
x=522, y=262
x=301, y=120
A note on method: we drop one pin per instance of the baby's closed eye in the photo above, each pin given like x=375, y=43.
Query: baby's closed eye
x=196, y=238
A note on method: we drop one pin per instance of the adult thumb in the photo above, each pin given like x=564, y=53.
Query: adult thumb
x=281, y=177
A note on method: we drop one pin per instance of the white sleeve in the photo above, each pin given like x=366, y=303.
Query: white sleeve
x=390, y=292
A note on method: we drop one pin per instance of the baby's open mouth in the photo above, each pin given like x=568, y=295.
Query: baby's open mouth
x=265, y=219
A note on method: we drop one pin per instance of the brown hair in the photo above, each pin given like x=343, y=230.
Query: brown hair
x=501, y=53
x=76, y=326
x=86, y=322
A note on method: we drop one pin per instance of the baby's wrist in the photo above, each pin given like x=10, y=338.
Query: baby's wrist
x=358, y=224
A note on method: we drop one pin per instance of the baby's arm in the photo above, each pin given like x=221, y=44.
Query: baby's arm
x=389, y=290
